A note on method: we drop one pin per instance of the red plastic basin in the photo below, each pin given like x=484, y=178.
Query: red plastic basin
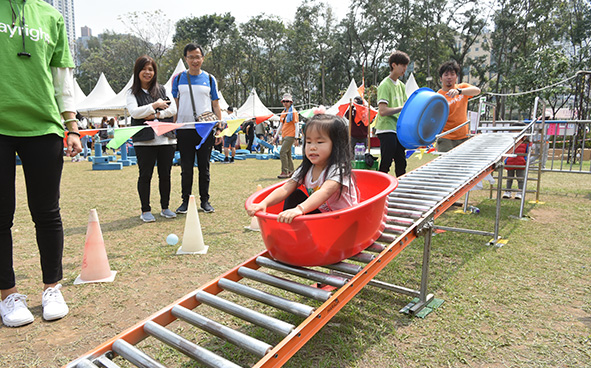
x=321, y=239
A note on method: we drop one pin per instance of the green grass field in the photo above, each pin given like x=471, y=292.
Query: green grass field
x=526, y=304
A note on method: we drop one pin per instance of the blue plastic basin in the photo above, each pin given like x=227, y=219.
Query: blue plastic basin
x=423, y=117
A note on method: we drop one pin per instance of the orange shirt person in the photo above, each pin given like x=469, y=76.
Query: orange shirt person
x=457, y=96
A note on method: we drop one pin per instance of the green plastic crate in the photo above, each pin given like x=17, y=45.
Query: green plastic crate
x=360, y=164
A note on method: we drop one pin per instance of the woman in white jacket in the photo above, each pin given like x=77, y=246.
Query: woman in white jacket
x=147, y=101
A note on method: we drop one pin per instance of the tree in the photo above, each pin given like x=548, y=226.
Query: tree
x=153, y=28
x=114, y=56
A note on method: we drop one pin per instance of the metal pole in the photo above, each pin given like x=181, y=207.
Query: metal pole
x=498, y=210
x=424, y=298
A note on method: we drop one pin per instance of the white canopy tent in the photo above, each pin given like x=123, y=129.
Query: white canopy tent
x=347, y=97
x=115, y=106
x=411, y=85
x=101, y=93
x=79, y=95
x=254, y=107
x=223, y=104
x=180, y=67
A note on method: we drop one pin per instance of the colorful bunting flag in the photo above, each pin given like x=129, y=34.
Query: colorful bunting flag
x=161, y=128
x=260, y=119
x=122, y=135
x=232, y=126
x=203, y=129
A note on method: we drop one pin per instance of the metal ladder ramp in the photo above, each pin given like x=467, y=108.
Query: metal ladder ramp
x=422, y=195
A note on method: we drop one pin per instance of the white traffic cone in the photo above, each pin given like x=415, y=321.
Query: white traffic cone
x=192, y=237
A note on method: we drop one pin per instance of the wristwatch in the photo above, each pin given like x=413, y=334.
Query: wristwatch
x=459, y=91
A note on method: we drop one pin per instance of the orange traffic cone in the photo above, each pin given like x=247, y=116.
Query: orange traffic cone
x=254, y=221
x=192, y=238
x=95, y=265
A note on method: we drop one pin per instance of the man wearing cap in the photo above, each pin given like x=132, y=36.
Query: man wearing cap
x=287, y=123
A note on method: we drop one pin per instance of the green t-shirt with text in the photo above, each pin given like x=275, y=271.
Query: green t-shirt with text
x=28, y=100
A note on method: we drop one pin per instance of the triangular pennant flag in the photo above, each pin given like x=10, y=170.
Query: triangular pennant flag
x=122, y=135
x=361, y=114
x=343, y=109
x=307, y=113
x=161, y=128
x=420, y=153
x=361, y=89
x=409, y=153
x=203, y=129
x=260, y=119
x=232, y=126
x=88, y=132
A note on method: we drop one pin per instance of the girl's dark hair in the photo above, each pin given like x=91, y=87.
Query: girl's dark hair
x=136, y=87
x=341, y=155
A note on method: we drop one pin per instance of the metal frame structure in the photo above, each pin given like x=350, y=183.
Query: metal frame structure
x=422, y=195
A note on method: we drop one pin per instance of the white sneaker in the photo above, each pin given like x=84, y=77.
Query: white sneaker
x=54, y=306
x=14, y=311
x=518, y=195
x=507, y=194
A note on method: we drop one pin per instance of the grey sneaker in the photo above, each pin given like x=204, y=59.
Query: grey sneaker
x=147, y=217
x=14, y=311
x=167, y=213
x=54, y=306
x=507, y=194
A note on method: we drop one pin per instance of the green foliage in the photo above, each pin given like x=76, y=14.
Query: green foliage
x=314, y=56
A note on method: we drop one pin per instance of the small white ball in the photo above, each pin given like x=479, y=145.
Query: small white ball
x=172, y=239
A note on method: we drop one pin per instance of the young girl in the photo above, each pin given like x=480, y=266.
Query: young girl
x=325, y=172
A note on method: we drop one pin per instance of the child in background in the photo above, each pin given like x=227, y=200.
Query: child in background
x=517, y=172
x=325, y=172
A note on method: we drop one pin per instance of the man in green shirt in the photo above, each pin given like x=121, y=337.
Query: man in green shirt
x=391, y=98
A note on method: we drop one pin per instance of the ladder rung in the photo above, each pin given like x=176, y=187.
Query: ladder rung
x=278, y=302
x=187, y=347
x=404, y=213
x=391, y=229
x=363, y=257
x=135, y=355
x=259, y=319
x=106, y=362
x=85, y=363
x=399, y=221
x=375, y=248
x=345, y=267
x=288, y=285
x=239, y=339
x=313, y=275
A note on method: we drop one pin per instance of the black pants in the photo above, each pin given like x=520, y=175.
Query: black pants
x=147, y=156
x=42, y=162
x=391, y=149
x=187, y=140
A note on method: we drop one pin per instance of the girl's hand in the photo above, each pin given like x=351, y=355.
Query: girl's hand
x=287, y=216
x=255, y=208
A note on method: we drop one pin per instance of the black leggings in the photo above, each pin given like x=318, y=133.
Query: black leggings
x=42, y=163
x=147, y=156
